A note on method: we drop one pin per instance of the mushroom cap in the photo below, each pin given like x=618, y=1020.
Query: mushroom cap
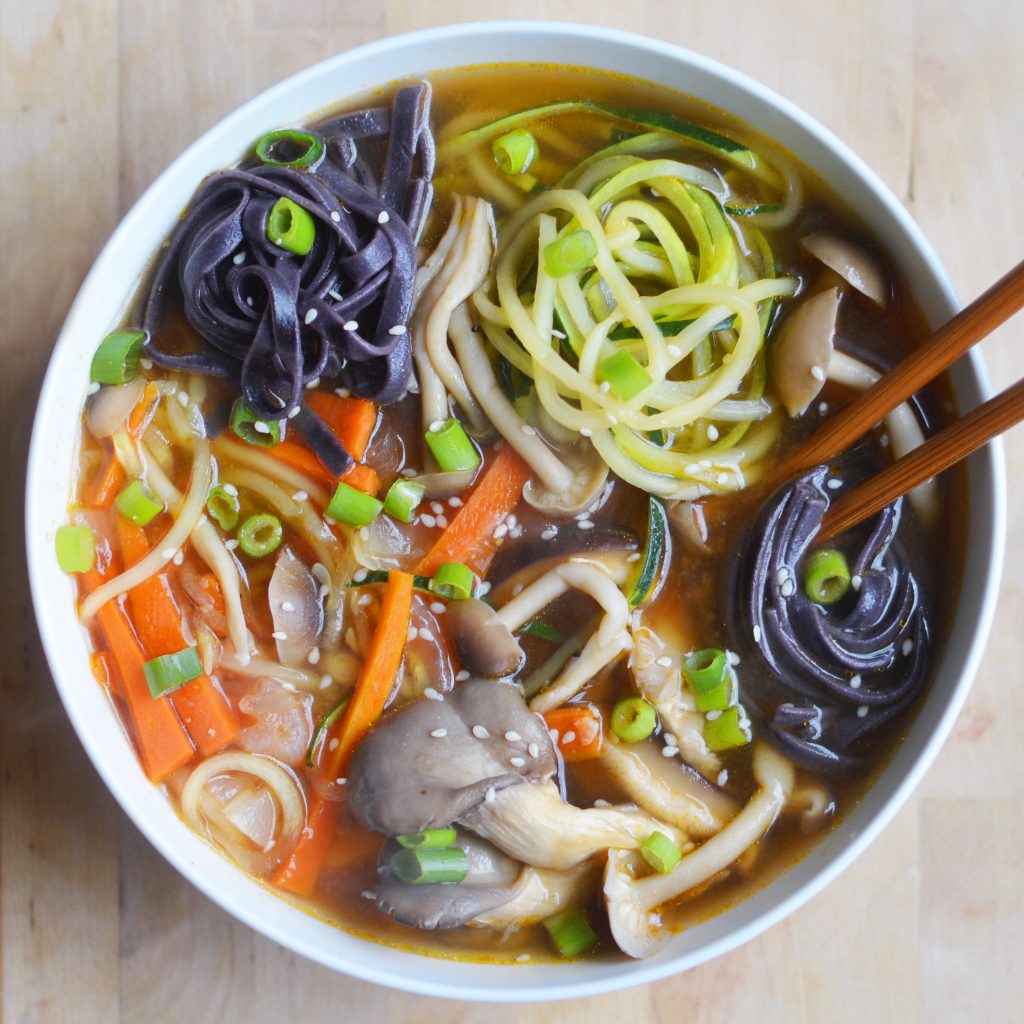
x=429, y=762
x=295, y=608
x=492, y=880
x=590, y=473
x=854, y=264
x=798, y=358
x=485, y=645
x=637, y=932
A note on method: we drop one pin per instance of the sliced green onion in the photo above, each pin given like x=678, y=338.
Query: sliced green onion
x=453, y=580
x=402, y=499
x=166, y=673
x=260, y=535
x=624, y=375
x=426, y=866
x=718, y=698
x=291, y=227
x=321, y=732
x=542, y=629
x=249, y=427
x=353, y=507
x=138, y=503
x=571, y=933
x=428, y=839
x=826, y=576
x=515, y=151
x=704, y=670
x=452, y=448
x=223, y=507
x=725, y=731
x=290, y=148
x=117, y=359
x=569, y=253
x=76, y=548
x=633, y=719
x=660, y=852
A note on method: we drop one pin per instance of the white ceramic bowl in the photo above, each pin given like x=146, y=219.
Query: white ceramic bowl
x=99, y=307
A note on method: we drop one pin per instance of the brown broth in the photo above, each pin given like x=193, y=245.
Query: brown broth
x=693, y=605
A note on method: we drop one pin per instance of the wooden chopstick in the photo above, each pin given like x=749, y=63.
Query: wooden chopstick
x=923, y=365
x=937, y=454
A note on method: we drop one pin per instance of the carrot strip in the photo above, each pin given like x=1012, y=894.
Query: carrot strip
x=351, y=420
x=99, y=662
x=205, y=713
x=162, y=742
x=299, y=457
x=580, y=736
x=377, y=677
x=469, y=537
x=362, y=478
x=299, y=872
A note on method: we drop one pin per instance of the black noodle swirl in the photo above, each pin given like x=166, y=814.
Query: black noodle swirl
x=846, y=668
x=276, y=322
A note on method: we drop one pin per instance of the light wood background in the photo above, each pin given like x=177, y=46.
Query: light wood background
x=97, y=97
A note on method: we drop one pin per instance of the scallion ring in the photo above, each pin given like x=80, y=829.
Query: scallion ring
x=290, y=148
x=571, y=932
x=428, y=866
x=291, y=227
x=116, y=361
x=451, y=447
x=402, y=499
x=706, y=669
x=826, y=576
x=223, y=507
x=660, y=852
x=138, y=502
x=428, y=839
x=726, y=731
x=569, y=253
x=453, y=580
x=514, y=152
x=76, y=548
x=250, y=428
x=624, y=375
x=260, y=535
x=168, y=672
x=633, y=719
x=353, y=507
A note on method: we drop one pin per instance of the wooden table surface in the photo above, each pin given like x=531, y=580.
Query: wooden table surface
x=97, y=96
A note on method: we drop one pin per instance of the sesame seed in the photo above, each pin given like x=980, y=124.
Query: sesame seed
x=822, y=408
x=439, y=734
x=517, y=762
x=669, y=751
x=325, y=682
x=179, y=558
x=674, y=351
x=712, y=716
x=350, y=326
x=431, y=694
x=855, y=682
x=299, y=496
x=364, y=600
x=231, y=544
x=428, y=520
x=555, y=333
x=670, y=740
x=368, y=895
x=314, y=383
x=568, y=737
x=884, y=440
x=586, y=432
x=314, y=656
x=364, y=533
x=335, y=216
x=146, y=364
x=168, y=553
x=408, y=472
x=862, y=711
x=412, y=634
x=292, y=413
x=279, y=635
x=337, y=296
x=183, y=399
x=692, y=469
x=484, y=588
x=612, y=420
x=287, y=606
x=634, y=557
x=260, y=427
x=533, y=750
x=437, y=608
x=489, y=795
x=817, y=373
x=732, y=657
x=723, y=777
x=239, y=258
x=908, y=646
x=455, y=502
x=788, y=588
x=436, y=507
x=723, y=479
x=382, y=217
x=310, y=316
x=604, y=387
x=343, y=392
x=548, y=533
x=834, y=484
x=397, y=331
x=757, y=634
x=442, y=522
x=857, y=581
x=499, y=531
x=585, y=524
x=712, y=432
x=523, y=958
x=527, y=429
x=435, y=426
x=600, y=802
x=480, y=732
x=248, y=300
x=664, y=661
x=512, y=736
x=461, y=676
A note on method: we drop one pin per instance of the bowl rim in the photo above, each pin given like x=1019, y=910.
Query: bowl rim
x=517, y=988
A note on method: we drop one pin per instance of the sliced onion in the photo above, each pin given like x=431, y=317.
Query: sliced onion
x=284, y=722
x=108, y=410
x=254, y=813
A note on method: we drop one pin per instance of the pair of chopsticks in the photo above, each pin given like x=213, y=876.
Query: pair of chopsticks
x=939, y=452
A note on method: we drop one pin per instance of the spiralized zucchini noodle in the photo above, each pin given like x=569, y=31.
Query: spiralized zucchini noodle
x=680, y=280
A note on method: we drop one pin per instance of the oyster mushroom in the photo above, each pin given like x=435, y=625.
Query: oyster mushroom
x=295, y=608
x=798, y=360
x=492, y=881
x=480, y=758
x=485, y=645
x=632, y=901
x=540, y=893
x=854, y=264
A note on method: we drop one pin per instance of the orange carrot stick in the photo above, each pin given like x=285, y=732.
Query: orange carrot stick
x=362, y=478
x=162, y=742
x=469, y=537
x=299, y=457
x=299, y=872
x=580, y=736
x=351, y=420
x=205, y=713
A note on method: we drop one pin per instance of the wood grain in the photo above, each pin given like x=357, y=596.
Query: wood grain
x=96, y=97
